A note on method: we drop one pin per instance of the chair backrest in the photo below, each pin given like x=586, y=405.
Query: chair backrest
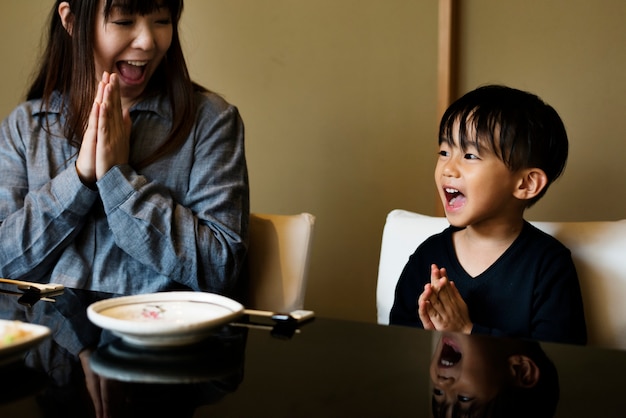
x=278, y=260
x=598, y=248
x=403, y=232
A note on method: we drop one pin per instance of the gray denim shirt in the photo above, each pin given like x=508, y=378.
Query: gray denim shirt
x=180, y=223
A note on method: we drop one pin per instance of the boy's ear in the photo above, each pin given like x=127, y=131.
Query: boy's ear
x=67, y=17
x=524, y=371
x=531, y=182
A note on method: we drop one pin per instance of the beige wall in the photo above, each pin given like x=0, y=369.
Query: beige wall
x=339, y=101
x=573, y=54
x=20, y=34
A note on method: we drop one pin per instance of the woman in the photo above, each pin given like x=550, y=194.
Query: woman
x=118, y=173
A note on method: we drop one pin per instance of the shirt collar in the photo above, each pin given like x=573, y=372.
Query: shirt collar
x=156, y=103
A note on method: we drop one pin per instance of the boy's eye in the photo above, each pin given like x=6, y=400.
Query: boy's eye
x=469, y=156
x=123, y=22
x=443, y=153
x=464, y=399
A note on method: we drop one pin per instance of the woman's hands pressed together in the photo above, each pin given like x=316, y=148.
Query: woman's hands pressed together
x=106, y=142
x=441, y=307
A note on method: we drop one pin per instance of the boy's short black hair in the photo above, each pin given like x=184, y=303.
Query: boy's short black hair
x=519, y=127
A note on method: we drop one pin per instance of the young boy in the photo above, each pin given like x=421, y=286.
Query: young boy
x=492, y=272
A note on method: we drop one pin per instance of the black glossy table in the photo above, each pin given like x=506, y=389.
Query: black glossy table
x=326, y=367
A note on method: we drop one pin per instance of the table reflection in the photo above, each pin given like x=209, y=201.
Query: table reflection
x=128, y=381
x=83, y=371
x=55, y=360
x=327, y=367
x=475, y=376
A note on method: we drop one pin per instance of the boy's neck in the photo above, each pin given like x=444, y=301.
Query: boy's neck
x=493, y=233
x=479, y=246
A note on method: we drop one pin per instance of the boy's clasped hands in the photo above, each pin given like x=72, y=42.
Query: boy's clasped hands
x=106, y=142
x=441, y=307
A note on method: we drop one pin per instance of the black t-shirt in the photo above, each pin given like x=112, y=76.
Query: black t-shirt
x=531, y=291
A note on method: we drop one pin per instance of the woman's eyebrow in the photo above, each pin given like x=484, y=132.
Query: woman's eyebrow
x=117, y=8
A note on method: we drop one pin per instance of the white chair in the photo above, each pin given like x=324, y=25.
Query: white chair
x=278, y=260
x=403, y=232
x=598, y=250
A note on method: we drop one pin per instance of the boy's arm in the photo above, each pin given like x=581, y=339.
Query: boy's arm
x=558, y=313
x=404, y=309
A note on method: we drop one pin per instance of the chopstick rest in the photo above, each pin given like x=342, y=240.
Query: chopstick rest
x=299, y=315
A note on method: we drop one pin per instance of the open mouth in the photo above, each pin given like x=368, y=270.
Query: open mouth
x=454, y=198
x=132, y=71
x=449, y=355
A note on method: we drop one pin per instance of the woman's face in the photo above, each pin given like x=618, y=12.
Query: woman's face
x=131, y=45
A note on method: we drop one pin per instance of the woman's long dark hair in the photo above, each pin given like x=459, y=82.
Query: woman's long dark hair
x=67, y=66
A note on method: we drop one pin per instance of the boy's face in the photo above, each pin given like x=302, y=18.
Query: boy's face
x=475, y=187
x=466, y=370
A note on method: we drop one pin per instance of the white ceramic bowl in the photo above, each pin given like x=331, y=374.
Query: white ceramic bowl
x=164, y=319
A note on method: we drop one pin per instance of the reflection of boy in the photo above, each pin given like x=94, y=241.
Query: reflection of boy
x=491, y=272
x=477, y=376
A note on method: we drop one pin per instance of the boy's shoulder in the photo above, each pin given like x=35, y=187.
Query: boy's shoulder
x=541, y=240
x=437, y=242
